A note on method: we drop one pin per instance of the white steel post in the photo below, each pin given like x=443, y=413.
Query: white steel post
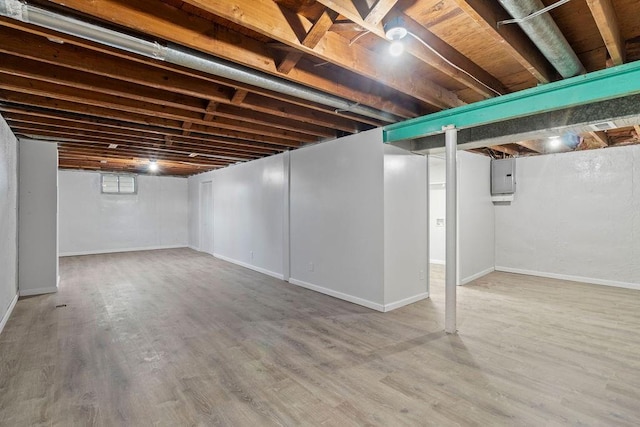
x=451, y=142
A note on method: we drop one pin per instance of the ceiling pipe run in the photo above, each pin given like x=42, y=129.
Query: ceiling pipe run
x=546, y=35
x=180, y=56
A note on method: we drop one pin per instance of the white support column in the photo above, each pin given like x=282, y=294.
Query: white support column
x=451, y=142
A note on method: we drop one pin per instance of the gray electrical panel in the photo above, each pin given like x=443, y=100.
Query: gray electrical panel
x=503, y=176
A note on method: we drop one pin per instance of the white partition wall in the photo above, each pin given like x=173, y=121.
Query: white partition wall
x=248, y=213
x=38, y=214
x=575, y=216
x=405, y=228
x=476, y=224
x=337, y=218
x=317, y=216
x=8, y=222
x=92, y=222
x=437, y=209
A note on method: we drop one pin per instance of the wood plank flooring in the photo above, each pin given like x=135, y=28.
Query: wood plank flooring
x=176, y=337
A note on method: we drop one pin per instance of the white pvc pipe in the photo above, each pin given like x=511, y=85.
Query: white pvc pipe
x=451, y=265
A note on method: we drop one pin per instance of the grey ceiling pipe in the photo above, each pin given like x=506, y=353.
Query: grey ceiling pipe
x=180, y=56
x=546, y=35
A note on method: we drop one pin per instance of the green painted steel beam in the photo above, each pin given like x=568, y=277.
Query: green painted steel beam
x=615, y=82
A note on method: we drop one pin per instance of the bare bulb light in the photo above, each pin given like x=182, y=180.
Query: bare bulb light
x=554, y=142
x=395, y=31
x=153, y=166
x=396, y=48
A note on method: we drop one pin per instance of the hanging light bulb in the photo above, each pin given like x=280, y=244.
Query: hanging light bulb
x=396, y=48
x=153, y=166
x=395, y=31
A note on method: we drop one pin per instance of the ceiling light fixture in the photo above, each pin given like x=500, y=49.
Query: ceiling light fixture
x=112, y=146
x=153, y=166
x=395, y=31
x=554, y=141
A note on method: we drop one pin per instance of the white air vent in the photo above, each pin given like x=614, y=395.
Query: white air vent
x=603, y=126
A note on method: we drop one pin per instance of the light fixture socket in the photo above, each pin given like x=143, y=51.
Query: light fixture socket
x=394, y=29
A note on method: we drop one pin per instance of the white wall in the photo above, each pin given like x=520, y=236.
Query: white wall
x=476, y=223
x=337, y=218
x=315, y=216
x=405, y=227
x=248, y=213
x=8, y=222
x=92, y=222
x=437, y=209
x=38, y=227
x=575, y=216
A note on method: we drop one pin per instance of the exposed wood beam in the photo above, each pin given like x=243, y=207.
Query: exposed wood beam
x=607, y=22
x=166, y=22
x=348, y=9
x=505, y=149
x=637, y=129
x=379, y=11
x=600, y=137
x=510, y=37
x=310, y=40
x=239, y=96
x=76, y=67
x=125, y=145
x=101, y=112
x=267, y=18
x=168, y=141
x=236, y=142
x=133, y=132
x=535, y=146
x=346, y=26
x=257, y=124
x=289, y=62
x=185, y=128
x=319, y=29
x=209, y=111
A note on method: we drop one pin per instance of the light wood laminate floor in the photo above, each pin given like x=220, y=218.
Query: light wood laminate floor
x=176, y=337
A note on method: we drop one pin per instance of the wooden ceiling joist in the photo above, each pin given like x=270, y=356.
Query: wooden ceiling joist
x=379, y=10
x=166, y=22
x=510, y=37
x=607, y=22
x=268, y=19
x=276, y=128
x=487, y=86
x=112, y=127
x=100, y=112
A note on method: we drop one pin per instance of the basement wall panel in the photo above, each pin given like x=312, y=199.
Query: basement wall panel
x=575, y=216
x=38, y=217
x=93, y=222
x=8, y=221
x=337, y=218
x=476, y=221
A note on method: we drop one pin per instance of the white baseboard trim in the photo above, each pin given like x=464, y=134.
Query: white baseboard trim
x=113, y=251
x=339, y=295
x=6, y=316
x=476, y=276
x=581, y=279
x=38, y=291
x=436, y=261
x=250, y=267
x=406, y=301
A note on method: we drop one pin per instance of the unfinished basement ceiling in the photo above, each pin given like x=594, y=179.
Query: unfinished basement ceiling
x=317, y=70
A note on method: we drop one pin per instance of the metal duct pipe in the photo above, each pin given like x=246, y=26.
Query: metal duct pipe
x=546, y=35
x=180, y=56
